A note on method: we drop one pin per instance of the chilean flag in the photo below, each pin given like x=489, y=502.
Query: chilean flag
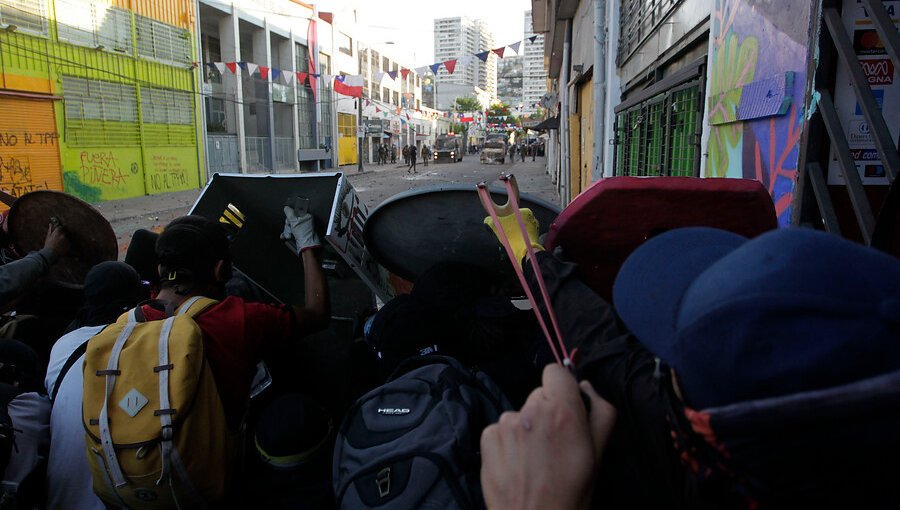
x=348, y=85
x=311, y=55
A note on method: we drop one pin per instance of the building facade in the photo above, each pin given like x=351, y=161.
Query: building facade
x=510, y=82
x=261, y=115
x=393, y=110
x=460, y=38
x=99, y=98
x=534, y=73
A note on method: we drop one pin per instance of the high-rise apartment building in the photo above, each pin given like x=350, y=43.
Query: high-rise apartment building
x=460, y=38
x=534, y=75
x=509, y=82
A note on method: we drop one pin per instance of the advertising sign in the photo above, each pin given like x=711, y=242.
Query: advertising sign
x=880, y=73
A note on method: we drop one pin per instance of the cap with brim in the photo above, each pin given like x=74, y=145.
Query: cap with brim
x=790, y=311
x=652, y=281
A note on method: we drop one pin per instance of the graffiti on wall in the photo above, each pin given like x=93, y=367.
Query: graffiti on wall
x=758, y=53
x=21, y=153
x=103, y=173
x=170, y=169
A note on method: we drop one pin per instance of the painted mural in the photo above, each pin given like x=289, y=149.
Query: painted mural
x=757, y=77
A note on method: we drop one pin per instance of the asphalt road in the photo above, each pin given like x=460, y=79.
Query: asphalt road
x=374, y=185
x=378, y=182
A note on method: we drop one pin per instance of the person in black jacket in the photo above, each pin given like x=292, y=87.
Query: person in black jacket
x=761, y=373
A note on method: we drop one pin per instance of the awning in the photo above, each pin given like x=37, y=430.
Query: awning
x=549, y=123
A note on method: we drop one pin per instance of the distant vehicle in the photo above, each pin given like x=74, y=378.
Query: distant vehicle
x=447, y=148
x=495, y=148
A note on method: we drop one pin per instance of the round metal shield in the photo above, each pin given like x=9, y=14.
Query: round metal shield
x=91, y=236
x=410, y=232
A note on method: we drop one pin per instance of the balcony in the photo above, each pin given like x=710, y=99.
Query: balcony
x=284, y=153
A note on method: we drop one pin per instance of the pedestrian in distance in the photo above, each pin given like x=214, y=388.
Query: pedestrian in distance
x=522, y=152
x=412, y=159
x=533, y=151
x=394, y=154
x=426, y=155
x=406, y=155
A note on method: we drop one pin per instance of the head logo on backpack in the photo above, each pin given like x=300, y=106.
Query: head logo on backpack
x=414, y=442
x=155, y=426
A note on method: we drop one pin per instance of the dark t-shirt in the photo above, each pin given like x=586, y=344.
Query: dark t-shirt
x=237, y=335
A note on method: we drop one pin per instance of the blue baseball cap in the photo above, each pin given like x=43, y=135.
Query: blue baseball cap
x=789, y=311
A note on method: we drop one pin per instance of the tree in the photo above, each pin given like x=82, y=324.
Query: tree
x=467, y=104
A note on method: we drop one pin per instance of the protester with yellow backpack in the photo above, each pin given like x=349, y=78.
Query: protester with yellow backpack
x=166, y=386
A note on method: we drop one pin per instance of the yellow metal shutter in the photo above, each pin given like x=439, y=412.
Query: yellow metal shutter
x=29, y=146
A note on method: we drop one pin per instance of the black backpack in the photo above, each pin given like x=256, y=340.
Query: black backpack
x=414, y=442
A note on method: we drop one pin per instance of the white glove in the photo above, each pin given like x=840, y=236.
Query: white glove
x=299, y=229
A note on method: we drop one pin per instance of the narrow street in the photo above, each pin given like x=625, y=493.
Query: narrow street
x=374, y=185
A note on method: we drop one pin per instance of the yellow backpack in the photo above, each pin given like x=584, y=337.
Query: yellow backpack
x=155, y=427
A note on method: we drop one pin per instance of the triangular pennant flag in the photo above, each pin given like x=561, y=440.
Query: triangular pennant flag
x=404, y=72
x=288, y=77
x=301, y=78
x=251, y=68
x=220, y=66
x=483, y=55
x=434, y=68
x=243, y=65
x=393, y=75
x=368, y=102
x=379, y=76
x=264, y=72
x=377, y=110
x=450, y=65
x=385, y=114
x=421, y=70
x=314, y=75
x=532, y=39
x=211, y=66
x=466, y=60
x=515, y=46
x=499, y=51
x=407, y=116
x=275, y=73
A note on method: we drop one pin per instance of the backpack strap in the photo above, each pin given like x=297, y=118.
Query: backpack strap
x=195, y=305
x=171, y=460
x=74, y=357
x=112, y=369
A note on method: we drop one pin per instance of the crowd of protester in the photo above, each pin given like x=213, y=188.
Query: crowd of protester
x=730, y=373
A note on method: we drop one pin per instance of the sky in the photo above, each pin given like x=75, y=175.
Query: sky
x=409, y=24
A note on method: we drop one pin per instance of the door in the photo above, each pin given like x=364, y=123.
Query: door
x=29, y=146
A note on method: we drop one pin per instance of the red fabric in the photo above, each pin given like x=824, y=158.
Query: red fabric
x=635, y=209
x=404, y=72
x=311, y=55
x=450, y=65
x=499, y=51
x=237, y=335
x=264, y=72
x=301, y=78
x=232, y=66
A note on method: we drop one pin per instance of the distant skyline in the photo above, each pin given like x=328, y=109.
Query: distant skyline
x=409, y=24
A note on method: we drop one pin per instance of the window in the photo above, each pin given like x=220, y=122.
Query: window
x=345, y=44
x=160, y=41
x=100, y=112
x=94, y=24
x=396, y=98
x=386, y=94
x=168, y=116
x=637, y=20
x=26, y=15
x=385, y=64
x=660, y=136
x=302, y=63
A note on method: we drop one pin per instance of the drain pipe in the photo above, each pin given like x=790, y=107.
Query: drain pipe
x=599, y=81
x=565, y=178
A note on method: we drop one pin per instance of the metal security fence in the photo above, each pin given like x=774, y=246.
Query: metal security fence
x=660, y=136
x=285, y=155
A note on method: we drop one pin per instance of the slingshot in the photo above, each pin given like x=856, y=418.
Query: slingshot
x=512, y=207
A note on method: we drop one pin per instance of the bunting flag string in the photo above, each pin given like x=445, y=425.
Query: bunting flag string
x=515, y=46
x=392, y=75
x=499, y=51
x=263, y=72
x=435, y=68
x=450, y=65
x=404, y=72
x=483, y=56
x=532, y=39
